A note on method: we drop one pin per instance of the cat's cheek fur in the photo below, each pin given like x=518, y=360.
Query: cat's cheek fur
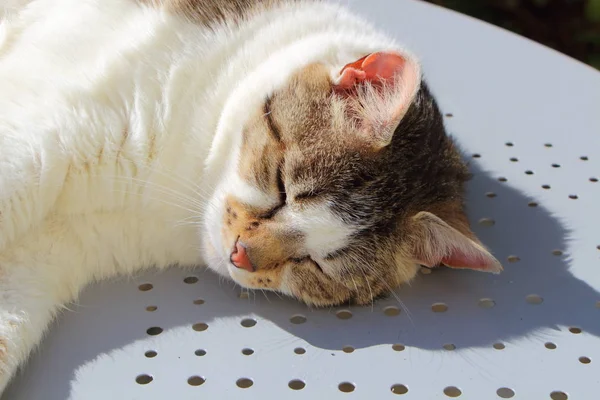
x=323, y=231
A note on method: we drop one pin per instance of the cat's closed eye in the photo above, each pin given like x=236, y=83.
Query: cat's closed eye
x=307, y=196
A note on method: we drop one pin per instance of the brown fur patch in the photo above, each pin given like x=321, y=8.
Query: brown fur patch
x=265, y=279
x=267, y=245
x=261, y=154
x=211, y=12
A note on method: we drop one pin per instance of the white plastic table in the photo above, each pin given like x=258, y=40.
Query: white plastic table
x=530, y=119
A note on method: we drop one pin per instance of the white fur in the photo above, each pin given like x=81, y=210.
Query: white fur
x=323, y=231
x=81, y=200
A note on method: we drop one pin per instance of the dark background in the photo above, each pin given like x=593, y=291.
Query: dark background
x=569, y=26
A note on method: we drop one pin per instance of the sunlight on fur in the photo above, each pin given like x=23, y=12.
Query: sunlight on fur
x=288, y=146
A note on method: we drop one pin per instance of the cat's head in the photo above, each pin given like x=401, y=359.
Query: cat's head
x=343, y=186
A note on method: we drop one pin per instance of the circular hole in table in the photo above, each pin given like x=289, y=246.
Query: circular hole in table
x=144, y=379
x=534, y=299
x=298, y=319
x=344, y=314
x=399, y=389
x=200, y=327
x=144, y=287
x=248, y=322
x=391, y=311
x=296, y=384
x=558, y=395
x=244, y=383
x=247, y=352
x=398, y=347
x=452, y=391
x=150, y=354
x=439, y=307
x=346, y=387
x=155, y=330
x=505, y=393
x=486, y=303
x=196, y=380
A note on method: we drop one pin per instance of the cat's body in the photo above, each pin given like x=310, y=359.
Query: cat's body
x=121, y=133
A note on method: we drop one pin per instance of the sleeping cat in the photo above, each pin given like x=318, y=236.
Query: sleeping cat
x=288, y=145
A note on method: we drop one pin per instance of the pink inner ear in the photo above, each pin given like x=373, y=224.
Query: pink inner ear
x=373, y=68
x=461, y=260
x=437, y=243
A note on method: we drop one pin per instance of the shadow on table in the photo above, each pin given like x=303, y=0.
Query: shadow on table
x=103, y=321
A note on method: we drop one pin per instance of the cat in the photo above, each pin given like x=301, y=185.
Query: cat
x=287, y=145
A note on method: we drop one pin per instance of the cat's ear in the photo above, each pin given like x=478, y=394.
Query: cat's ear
x=434, y=242
x=380, y=88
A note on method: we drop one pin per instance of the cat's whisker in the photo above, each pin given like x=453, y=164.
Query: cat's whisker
x=147, y=183
x=177, y=224
x=354, y=282
x=264, y=294
x=193, y=211
x=161, y=189
x=182, y=199
x=176, y=195
x=189, y=184
x=191, y=220
x=369, y=286
x=401, y=303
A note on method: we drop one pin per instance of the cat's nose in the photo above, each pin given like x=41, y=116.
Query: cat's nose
x=239, y=257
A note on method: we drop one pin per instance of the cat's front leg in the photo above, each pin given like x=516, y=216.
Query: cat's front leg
x=29, y=299
x=34, y=285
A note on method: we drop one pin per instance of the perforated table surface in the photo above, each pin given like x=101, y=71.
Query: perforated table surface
x=529, y=119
